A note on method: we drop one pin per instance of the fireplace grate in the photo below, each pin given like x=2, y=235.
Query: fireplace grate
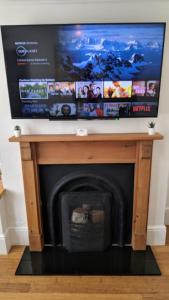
x=86, y=222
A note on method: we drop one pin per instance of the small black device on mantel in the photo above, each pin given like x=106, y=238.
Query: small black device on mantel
x=87, y=71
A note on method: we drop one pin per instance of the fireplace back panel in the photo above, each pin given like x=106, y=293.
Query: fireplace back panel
x=121, y=175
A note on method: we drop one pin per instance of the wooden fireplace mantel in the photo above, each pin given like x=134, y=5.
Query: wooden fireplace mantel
x=36, y=138
x=133, y=148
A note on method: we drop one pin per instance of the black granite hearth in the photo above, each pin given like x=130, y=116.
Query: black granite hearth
x=114, y=261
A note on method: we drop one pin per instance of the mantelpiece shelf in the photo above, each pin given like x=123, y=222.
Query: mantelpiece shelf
x=91, y=137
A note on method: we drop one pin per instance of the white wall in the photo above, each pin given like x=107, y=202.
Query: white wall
x=43, y=12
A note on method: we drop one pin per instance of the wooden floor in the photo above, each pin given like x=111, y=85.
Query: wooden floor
x=82, y=287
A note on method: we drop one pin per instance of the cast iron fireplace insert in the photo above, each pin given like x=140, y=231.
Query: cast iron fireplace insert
x=87, y=184
x=87, y=223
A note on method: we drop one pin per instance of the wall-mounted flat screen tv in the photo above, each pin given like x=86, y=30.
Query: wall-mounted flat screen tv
x=88, y=71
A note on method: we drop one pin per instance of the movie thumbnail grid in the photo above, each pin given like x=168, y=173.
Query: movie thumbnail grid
x=64, y=110
x=116, y=110
x=89, y=90
x=142, y=109
x=91, y=110
x=58, y=90
x=103, y=110
x=35, y=109
x=41, y=90
x=116, y=89
x=96, y=90
x=30, y=90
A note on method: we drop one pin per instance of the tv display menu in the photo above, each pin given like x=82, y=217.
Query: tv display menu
x=88, y=71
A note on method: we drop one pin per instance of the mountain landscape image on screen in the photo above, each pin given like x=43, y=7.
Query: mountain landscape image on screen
x=84, y=71
x=109, y=52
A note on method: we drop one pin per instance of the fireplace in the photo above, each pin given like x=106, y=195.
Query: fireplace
x=87, y=207
x=131, y=148
x=87, y=199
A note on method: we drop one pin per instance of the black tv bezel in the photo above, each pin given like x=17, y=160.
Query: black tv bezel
x=71, y=118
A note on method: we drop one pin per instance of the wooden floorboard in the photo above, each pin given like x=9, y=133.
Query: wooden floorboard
x=62, y=296
x=83, y=287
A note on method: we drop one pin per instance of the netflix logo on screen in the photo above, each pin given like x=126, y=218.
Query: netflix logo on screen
x=144, y=109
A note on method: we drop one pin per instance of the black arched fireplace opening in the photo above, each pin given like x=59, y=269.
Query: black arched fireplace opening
x=87, y=207
x=87, y=223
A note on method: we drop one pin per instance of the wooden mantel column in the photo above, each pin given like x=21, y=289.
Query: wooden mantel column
x=133, y=148
x=32, y=195
x=141, y=194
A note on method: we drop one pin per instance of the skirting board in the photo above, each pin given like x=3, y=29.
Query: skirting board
x=13, y=236
x=18, y=235
x=156, y=235
x=5, y=243
x=167, y=216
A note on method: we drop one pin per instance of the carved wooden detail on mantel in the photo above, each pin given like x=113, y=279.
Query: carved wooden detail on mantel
x=99, y=148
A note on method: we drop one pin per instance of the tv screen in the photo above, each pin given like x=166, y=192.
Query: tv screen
x=88, y=71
